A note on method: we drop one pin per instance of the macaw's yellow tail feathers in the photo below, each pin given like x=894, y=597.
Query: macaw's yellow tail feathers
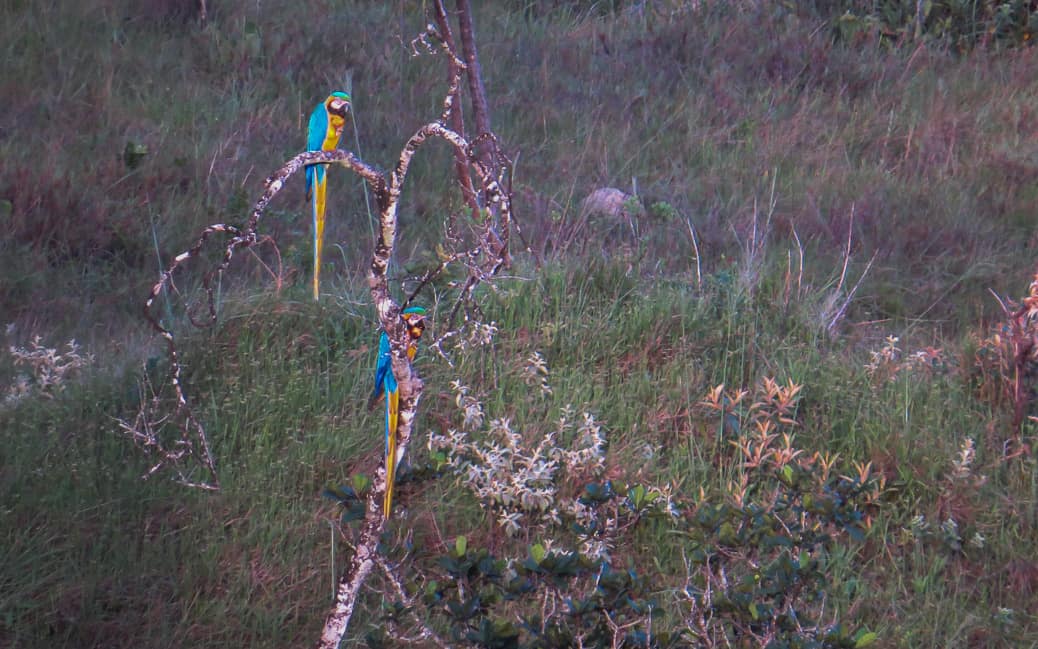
x=392, y=405
x=387, y=503
x=318, y=209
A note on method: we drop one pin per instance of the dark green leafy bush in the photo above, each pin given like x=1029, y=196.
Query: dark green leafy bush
x=961, y=24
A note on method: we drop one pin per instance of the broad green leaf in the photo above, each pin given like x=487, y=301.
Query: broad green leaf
x=637, y=496
x=537, y=552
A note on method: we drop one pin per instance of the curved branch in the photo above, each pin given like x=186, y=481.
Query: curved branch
x=193, y=435
x=452, y=113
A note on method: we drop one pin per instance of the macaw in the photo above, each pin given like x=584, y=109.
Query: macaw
x=386, y=385
x=323, y=134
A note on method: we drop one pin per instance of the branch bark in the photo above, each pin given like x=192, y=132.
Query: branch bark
x=488, y=255
x=410, y=385
x=480, y=110
x=194, y=440
x=457, y=118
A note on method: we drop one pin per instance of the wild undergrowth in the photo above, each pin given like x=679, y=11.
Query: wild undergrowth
x=681, y=415
x=782, y=402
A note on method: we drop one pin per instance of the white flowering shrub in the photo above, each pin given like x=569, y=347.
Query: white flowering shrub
x=49, y=369
x=889, y=362
x=962, y=463
x=513, y=474
x=535, y=372
x=569, y=569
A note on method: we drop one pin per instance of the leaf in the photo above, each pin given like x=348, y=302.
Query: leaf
x=354, y=512
x=753, y=611
x=855, y=533
x=726, y=534
x=361, y=482
x=537, y=553
x=787, y=473
x=489, y=567
x=637, y=496
x=461, y=544
x=597, y=493
x=133, y=154
x=730, y=425
x=864, y=638
x=337, y=494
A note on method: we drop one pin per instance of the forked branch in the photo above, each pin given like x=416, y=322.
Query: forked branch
x=482, y=178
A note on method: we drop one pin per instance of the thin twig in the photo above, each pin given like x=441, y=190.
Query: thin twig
x=425, y=631
x=695, y=246
x=843, y=307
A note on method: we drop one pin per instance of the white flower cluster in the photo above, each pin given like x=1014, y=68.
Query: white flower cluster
x=885, y=364
x=512, y=475
x=964, y=460
x=471, y=408
x=889, y=361
x=950, y=528
x=918, y=525
x=536, y=372
x=50, y=368
x=588, y=452
x=482, y=333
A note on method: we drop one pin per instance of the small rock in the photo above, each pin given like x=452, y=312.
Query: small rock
x=612, y=202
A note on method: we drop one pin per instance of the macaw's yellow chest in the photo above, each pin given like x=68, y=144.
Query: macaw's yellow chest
x=331, y=138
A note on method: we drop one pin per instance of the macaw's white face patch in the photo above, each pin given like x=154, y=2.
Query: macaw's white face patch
x=415, y=325
x=339, y=106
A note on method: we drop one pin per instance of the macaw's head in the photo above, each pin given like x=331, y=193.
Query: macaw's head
x=338, y=104
x=414, y=320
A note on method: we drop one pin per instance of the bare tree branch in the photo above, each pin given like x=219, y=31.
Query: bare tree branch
x=483, y=256
x=494, y=255
x=481, y=112
x=194, y=441
x=457, y=119
x=425, y=630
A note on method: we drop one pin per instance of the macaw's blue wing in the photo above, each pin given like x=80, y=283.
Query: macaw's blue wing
x=315, y=134
x=386, y=386
x=316, y=187
x=383, y=367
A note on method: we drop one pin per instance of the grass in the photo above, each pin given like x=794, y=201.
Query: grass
x=926, y=157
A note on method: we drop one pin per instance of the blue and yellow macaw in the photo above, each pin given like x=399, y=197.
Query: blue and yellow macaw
x=386, y=385
x=323, y=133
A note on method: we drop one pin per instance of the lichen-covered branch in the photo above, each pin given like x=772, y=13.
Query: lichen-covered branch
x=193, y=441
x=483, y=179
x=453, y=116
x=484, y=260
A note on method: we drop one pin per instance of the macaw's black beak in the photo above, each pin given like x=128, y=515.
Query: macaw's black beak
x=339, y=107
x=415, y=328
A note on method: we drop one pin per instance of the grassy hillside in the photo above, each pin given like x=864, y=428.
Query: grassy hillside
x=800, y=160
